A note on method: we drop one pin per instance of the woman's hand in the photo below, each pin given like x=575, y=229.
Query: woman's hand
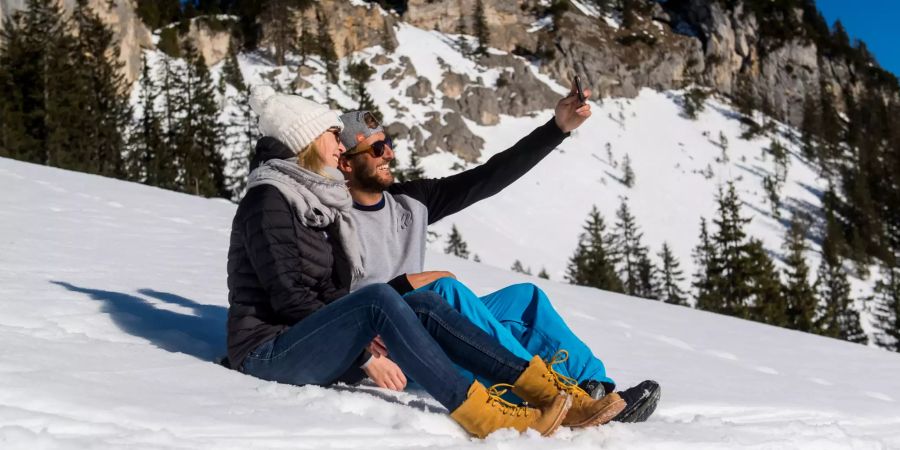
x=385, y=373
x=377, y=347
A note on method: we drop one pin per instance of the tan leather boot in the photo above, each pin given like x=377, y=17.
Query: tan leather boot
x=540, y=384
x=484, y=412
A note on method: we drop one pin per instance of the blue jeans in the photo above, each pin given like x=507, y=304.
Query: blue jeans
x=524, y=321
x=423, y=334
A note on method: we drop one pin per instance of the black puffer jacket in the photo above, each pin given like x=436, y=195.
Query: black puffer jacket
x=279, y=271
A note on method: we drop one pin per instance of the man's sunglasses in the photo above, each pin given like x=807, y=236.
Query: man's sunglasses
x=376, y=149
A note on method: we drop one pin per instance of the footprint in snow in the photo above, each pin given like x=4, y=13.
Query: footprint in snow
x=50, y=186
x=675, y=342
x=766, y=370
x=878, y=396
x=722, y=355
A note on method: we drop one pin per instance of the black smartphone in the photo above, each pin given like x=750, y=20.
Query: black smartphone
x=579, y=91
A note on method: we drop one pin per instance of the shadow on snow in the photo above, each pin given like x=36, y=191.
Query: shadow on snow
x=199, y=333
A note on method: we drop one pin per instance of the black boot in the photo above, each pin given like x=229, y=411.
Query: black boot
x=640, y=402
x=597, y=389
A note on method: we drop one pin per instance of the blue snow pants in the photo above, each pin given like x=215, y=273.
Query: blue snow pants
x=523, y=320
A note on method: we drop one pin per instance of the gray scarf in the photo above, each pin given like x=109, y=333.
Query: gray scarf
x=318, y=202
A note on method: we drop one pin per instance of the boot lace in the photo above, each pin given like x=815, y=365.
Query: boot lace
x=564, y=383
x=495, y=394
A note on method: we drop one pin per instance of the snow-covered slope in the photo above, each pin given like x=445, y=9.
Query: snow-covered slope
x=113, y=303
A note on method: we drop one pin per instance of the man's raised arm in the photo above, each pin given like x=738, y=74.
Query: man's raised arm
x=446, y=196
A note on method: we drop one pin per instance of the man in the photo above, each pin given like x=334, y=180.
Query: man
x=392, y=219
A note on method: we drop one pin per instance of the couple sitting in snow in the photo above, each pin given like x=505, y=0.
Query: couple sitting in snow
x=326, y=281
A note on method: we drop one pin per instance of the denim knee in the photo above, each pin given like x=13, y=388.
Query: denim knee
x=425, y=301
x=383, y=296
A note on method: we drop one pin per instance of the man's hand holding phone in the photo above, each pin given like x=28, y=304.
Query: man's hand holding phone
x=573, y=110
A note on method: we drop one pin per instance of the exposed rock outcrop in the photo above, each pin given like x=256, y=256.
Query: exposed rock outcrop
x=420, y=91
x=352, y=26
x=448, y=133
x=507, y=21
x=212, y=44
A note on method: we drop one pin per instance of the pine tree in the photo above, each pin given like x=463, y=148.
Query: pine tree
x=198, y=136
x=670, y=278
x=694, y=102
x=241, y=134
x=306, y=44
x=326, y=47
x=148, y=157
x=799, y=296
x=543, y=274
x=518, y=267
x=708, y=277
x=765, y=303
x=593, y=263
x=836, y=316
x=810, y=127
x=631, y=252
x=735, y=288
x=886, y=300
x=482, y=34
x=279, y=17
x=413, y=171
x=456, y=245
x=104, y=110
x=627, y=172
x=34, y=63
x=461, y=41
x=629, y=13
x=647, y=286
x=360, y=73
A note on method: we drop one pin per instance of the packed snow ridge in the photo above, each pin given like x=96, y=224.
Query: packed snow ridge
x=114, y=301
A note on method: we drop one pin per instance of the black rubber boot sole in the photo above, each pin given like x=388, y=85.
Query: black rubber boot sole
x=642, y=409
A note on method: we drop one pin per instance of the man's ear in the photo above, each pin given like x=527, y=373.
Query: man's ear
x=345, y=167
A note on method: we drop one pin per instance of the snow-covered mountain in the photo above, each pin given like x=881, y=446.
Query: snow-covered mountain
x=114, y=298
x=679, y=163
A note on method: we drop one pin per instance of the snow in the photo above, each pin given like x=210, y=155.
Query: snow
x=114, y=299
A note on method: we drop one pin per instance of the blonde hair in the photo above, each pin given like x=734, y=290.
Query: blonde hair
x=309, y=159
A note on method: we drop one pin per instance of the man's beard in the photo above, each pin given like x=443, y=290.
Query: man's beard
x=372, y=182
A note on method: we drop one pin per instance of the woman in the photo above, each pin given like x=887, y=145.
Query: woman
x=292, y=256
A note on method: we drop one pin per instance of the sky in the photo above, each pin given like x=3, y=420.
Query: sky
x=872, y=21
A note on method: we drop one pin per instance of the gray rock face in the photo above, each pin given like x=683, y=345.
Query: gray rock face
x=479, y=104
x=451, y=135
x=380, y=60
x=782, y=77
x=397, y=130
x=352, y=27
x=517, y=92
x=213, y=45
x=453, y=84
x=619, y=62
x=507, y=21
x=420, y=91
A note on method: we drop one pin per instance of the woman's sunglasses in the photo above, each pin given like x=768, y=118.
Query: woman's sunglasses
x=376, y=149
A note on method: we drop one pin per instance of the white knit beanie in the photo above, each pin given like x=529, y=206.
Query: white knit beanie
x=291, y=119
